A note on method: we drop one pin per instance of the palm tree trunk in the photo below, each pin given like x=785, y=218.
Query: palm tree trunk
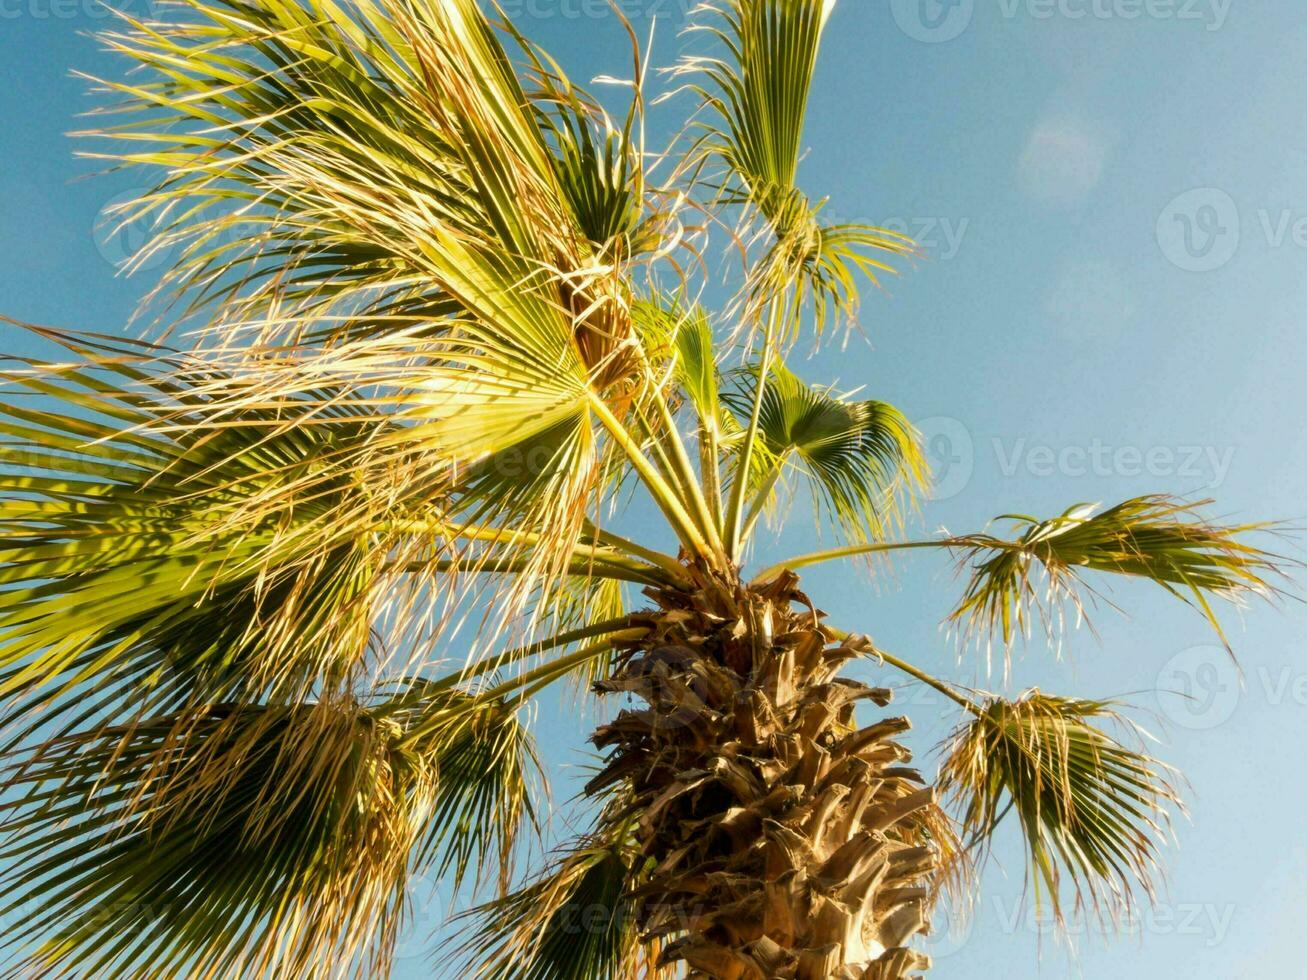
x=779, y=840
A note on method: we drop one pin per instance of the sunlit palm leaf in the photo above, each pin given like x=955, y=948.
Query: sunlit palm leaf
x=758, y=89
x=679, y=339
x=1155, y=538
x=597, y=162
x=1092, y=811
x=150, y=554
x=310, y=150
x=755, y=93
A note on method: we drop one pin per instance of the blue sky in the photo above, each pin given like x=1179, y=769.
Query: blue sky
x=1113, y=194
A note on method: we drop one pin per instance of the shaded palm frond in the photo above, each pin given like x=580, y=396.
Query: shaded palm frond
x=275, y=839
x=597, y=161
x=485, y=767
x=1093, y=812
x=863, y=459
x=270, y=839
x=1157, y=538
x=574, y=921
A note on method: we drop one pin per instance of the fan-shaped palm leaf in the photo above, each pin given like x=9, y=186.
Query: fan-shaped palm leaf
x=198, y=561
x=863, y=459
x=755, y=92
x=1093, y=812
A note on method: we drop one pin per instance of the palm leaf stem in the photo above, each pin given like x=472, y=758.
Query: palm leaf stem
x=662, y=492
x=851, y=551
x=916, y=673
x=735, y=510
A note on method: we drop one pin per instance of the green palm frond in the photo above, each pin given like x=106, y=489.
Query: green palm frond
x=1093, y=812
x=757, y=91
x=311, y=150
x=863, y=459
x=573, y=922
x=827, y=261
x=1156, y=538
x=755, y=95
x=582, y=603
x=598, y=162
x=679, y=338
x=485, y=768
x=401, y=128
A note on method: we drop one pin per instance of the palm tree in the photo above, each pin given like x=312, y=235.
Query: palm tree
x=447, y=321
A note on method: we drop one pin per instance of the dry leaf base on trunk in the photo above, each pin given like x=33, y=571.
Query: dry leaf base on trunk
x=779, y=840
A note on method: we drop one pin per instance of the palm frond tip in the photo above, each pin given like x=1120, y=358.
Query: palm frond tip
x=1160, y=539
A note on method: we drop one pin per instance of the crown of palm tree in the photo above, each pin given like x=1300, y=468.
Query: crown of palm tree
x=448, y=320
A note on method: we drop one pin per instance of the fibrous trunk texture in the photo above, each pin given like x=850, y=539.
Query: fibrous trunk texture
x=783, y=841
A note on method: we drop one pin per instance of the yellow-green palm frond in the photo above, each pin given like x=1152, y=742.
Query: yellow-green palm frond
x=1093, y=812
x=863, y=460
x=757, y=92
x=492, y=428
x=309, y=154
x=155, y=558
x=825, y=262
x=679, y=339
x=581, y=603
x=1156, y=538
